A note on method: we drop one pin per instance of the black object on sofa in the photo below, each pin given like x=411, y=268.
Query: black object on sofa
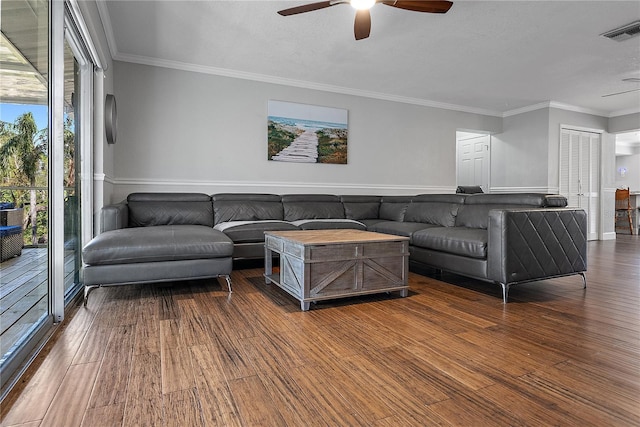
x=157, y=237
x=469, y=189
x=499, y=238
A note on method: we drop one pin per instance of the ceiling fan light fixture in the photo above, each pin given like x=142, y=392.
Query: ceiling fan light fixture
x=362, y=4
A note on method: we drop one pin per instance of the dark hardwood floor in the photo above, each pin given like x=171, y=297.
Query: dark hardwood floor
x=449, y=354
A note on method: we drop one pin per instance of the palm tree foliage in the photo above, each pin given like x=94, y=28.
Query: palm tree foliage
x=23, y=159
x=23, y=163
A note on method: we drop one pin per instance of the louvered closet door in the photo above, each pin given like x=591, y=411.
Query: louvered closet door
x=580, y=174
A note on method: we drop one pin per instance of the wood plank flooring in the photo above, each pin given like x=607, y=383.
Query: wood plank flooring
x=449, y=354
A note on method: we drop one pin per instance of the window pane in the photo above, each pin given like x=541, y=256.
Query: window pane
x=72, y=225
x=23, y=177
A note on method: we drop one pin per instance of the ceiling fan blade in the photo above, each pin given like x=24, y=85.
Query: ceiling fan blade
x=362, y=25
x=420, y=6
x=306, y=8
x=620, y=93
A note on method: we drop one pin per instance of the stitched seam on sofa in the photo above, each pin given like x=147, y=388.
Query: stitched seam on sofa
x=530, y=232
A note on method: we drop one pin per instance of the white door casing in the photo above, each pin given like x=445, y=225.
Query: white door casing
x=473, y=160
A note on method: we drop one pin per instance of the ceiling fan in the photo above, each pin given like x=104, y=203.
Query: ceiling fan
x=632, y=80
x=362, y=25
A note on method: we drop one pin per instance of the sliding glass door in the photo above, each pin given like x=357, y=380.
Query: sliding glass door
x=72, y=178
x=45, y=130
x=24, y=187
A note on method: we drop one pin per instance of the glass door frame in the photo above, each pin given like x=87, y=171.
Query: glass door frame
x=84, y=133
x=64, y=21
x=67, y=24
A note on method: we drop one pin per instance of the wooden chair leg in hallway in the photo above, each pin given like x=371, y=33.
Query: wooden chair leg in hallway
x=623, y=208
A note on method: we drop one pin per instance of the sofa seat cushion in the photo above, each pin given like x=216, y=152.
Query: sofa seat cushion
x=157, y=244
x=469, y=242
x=399, y=228
x=328, y=224
x=252, y=231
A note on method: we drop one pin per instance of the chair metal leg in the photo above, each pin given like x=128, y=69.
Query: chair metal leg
x=228, y=279
x=584, y=280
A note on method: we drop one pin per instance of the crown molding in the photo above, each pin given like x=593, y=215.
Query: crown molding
x=569, y=107
x=107, y=27
x=264, y=78
x=557, y=105
x=526, y=109
x=225, y=72
x=625, y=112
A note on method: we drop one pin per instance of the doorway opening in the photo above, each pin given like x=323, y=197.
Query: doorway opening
x=473, y=159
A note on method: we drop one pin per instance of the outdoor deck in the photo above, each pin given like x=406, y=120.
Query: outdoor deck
x=23, y=293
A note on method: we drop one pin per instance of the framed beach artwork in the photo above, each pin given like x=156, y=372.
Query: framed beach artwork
x=304, y=133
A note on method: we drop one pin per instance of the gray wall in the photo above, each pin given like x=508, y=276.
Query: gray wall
x=186, y=131
x=626, y=123
x=632, y=177
x=525, y=157
x=519, y=155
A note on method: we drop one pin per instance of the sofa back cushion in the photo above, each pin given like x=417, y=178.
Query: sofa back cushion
x=361, y=207
x=443, y=214
x=311, y=206
x=393, y=208
x=246, y=207
x=437, y=209
x=477, y=216
x=534, y=200
x=475, y=211
x=148, y=209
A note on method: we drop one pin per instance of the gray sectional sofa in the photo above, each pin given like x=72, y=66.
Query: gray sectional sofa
x=499, y=238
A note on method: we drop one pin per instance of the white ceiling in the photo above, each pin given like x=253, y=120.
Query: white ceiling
x=492, y=57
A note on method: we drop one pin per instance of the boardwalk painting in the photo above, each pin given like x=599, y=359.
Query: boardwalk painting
x=306, y=133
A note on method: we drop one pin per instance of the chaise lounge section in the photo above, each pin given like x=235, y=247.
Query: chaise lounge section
x=157, y=237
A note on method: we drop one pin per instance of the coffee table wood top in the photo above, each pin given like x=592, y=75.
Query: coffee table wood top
x=338, y=236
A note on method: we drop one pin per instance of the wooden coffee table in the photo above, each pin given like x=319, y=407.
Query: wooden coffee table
x=326, y=264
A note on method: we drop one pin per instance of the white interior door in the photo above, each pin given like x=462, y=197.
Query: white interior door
x=473, y=159
x=580, y=174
